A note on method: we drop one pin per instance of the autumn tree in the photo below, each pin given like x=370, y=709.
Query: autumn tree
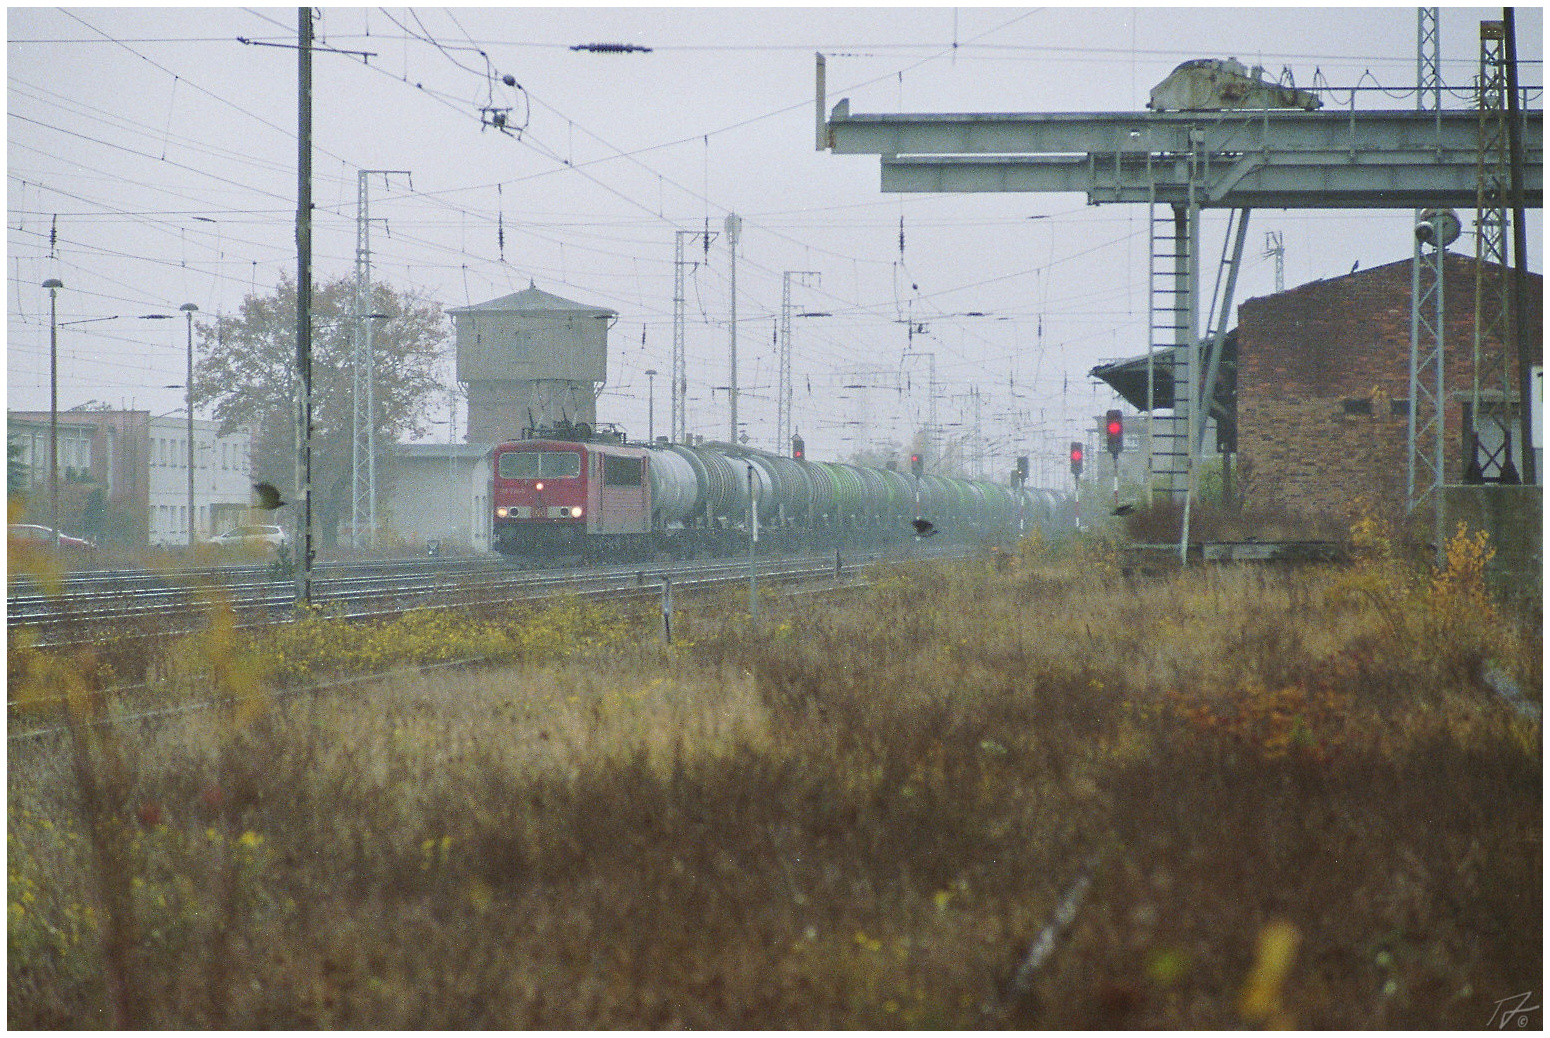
x=247, y=375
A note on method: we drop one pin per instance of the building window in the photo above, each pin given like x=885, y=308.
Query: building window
x=1356, y=405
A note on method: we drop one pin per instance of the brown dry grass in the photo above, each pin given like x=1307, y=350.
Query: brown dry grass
x=860, y=814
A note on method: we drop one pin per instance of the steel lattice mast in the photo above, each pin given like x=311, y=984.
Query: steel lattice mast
x=783, y=420
x=363, y=497
x=1491, y=392
x=1425, y=423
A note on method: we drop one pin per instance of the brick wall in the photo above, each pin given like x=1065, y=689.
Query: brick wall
x=1308, y=356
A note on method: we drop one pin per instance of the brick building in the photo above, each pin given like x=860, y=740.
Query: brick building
x=1323, y=386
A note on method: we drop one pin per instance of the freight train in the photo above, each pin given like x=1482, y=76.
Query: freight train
x=590, y=493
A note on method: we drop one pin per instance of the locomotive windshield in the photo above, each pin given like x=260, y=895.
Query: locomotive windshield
x=539, y=465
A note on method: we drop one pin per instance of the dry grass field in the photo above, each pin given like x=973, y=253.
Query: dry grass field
x=1014, y=792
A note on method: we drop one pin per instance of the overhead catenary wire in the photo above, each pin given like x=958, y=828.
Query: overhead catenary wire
x=421, y=248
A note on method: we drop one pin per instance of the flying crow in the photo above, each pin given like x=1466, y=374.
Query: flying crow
x=923, y=528
x=268, y=496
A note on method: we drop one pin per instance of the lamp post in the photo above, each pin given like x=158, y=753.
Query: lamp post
x=651, y=405
x=189, y=309
x=53, y=285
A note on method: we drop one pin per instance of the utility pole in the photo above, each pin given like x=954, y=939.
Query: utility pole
x=651, y=405
x=304, y=296
x=188, y=401
x=1434, y=230
x=979, y=439
x=1524, y=347
x=1489, y=456
x=783, y=421
x=363, y=496
x=679, y=391
x=53, y=285
x=1276, y=249
x=733, y=226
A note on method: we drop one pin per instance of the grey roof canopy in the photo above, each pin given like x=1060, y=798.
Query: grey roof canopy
x=535, y=302
x=1128, y=379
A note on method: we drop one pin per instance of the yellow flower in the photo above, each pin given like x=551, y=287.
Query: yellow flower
x=1260, y=1001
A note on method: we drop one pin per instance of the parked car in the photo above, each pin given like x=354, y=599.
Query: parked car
x=43, y=536
x=268, y=537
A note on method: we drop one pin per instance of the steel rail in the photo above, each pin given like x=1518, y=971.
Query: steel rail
x=700, y=578
x=86, y=617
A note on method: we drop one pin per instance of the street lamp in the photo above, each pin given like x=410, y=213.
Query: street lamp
x=651, y=405
x=189, y=309
x=53, y=285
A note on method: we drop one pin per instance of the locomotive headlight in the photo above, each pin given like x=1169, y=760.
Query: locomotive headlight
x=538, y=486
x=575, y=513
x=501, y=513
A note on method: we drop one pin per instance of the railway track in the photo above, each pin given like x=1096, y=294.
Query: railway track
x=93, y=607
x=160, y=617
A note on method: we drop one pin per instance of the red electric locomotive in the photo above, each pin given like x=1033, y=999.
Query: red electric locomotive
x=566, y=497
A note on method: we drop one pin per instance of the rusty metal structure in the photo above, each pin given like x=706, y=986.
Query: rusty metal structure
x=1493, y=402
x=1179, y=163
x=1219, y=85
x=1435, y=230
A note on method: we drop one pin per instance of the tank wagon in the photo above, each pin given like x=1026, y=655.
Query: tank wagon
x=575, y=491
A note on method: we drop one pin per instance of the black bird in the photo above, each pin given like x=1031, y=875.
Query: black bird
x=268, y=496
x=923, y=528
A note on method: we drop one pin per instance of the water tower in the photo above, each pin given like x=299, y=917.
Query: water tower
x=530, y=359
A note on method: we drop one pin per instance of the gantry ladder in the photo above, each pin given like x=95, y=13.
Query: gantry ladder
x=1169, y=314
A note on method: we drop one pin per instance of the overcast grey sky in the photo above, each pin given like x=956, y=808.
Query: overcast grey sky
x=151, y=162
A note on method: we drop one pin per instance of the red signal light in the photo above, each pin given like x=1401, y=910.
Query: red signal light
x=1076, y=458
x=1114, y=426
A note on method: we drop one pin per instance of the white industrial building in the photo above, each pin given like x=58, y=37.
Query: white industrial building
x=440, y=492
x=140, y=462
